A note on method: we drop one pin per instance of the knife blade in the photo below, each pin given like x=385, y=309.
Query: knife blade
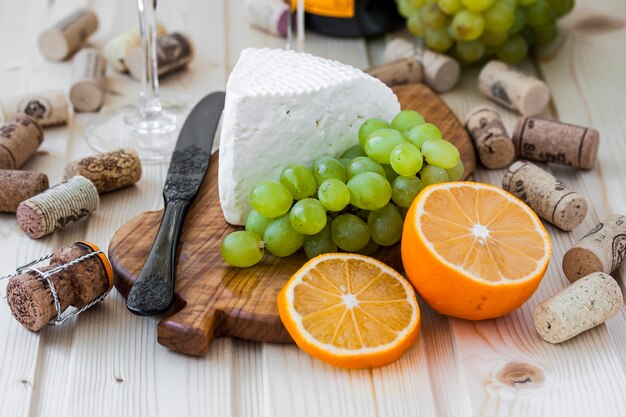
x=153, y=291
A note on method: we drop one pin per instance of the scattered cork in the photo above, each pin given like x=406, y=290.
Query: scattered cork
x=400, y=72
x=116, y=49
x=269, y=16
x=67, y=36
x=513, y=89
x=588, y=302
x=602, y=249
x=88, y=87
x=493, y=144
x=48, y=108
x=108, y=171
x=440, y=72
x=30, y=297
x=17, y=186
x=57, y=207
x=546, y=195
x=19, y=140
x=174, y=51
x=561, y=143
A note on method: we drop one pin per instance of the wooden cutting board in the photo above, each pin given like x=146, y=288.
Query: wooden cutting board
x=213, y=299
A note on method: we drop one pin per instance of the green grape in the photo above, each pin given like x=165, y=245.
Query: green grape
x=334, y=195
x=511, y=3
x=319, y=243
x=450, y=7
x=369, y=191
x=299, y=180
x=441, y=153
x=520, y=22
x=438, y=39
x=467, y=25
x=404, y=8
x=363, y=214
x=349, y=232
x=415, y=25
x=242, y=249
x=369, y=248
x=345, y=162
x=431, y=174
x=420, y=134
x=380, y=143
x=456, y=172
x=257, y=223
x=477, y=5
x=271, y=198
x=417, y=4
x=499, y=18
x=390, y=174
x=525, y=3
x=352, y=152
x=326, y=167
x=494, y=38
x=403, y=211
x=539, y=14
x=407, y=119
x=363, y=164
x=385, y=225
x=281, y=239
x=470, y=52
x=432, y=16
x=369, y=126
x=308, y=216
x=406, y=159
x=514, y=50
x=544, y=34
x=561, y=7
x=405, y=189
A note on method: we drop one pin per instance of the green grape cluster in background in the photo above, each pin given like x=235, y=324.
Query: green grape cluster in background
x=476, y=30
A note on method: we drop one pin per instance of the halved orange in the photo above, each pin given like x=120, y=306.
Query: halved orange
x=473, y=250
x=350, y=310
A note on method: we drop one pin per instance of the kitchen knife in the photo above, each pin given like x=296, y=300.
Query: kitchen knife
x=153, y=291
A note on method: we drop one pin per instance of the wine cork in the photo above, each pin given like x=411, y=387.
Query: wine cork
x=400, y=72
x=585, y=304
x=116, y=49
x=561, y=143
x=546, y=195
x=30, y=297
x=174, y=51
x=57, y=207
x=66, y=36
x=48, y=108
x=108, y=171
x=602, y=249
x=17, y=186
x=513, y=89
x=493, y=144
x=440, y=72
x=19, y=140
x=88, y=81
x=271, y=16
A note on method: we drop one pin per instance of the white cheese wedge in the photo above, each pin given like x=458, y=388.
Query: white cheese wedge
x=285, y=107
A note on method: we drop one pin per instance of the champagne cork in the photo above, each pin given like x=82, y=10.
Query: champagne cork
x=116, y=49
x=30, y=297
x=17, y=186
x=546, y=195
x=19, y=140
x=561, y=143
x=270, y=16
x=108, y=171
x=174, y=51
x=400, y=72
x=602, y=249
x=585, y=304
x=493, y=144
x=88, y=81
x=440, y=72
x=67, y=36
x=48, y=108
x=515, y=90
x=57, y=207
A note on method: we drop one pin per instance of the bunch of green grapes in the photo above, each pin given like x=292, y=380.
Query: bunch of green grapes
x=353, y=203
x=475, y=30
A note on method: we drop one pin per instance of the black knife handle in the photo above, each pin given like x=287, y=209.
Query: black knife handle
x=153, y=291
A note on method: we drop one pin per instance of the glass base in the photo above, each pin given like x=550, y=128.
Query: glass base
x=153, y=136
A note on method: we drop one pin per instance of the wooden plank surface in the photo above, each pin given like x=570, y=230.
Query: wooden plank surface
x=107, y=362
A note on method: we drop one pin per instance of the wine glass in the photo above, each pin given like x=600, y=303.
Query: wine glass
x=299, y=25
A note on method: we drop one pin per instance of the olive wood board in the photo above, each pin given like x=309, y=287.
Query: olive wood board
x=213, y=299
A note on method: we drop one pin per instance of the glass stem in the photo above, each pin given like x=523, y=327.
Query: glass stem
x=150, y=102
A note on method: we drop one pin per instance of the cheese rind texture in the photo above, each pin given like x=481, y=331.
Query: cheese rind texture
x=285, y=107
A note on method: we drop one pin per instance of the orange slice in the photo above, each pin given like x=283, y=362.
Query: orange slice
x=350, y=310
x=473, y=250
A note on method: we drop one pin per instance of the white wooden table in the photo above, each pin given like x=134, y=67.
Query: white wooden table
x=107, y=361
